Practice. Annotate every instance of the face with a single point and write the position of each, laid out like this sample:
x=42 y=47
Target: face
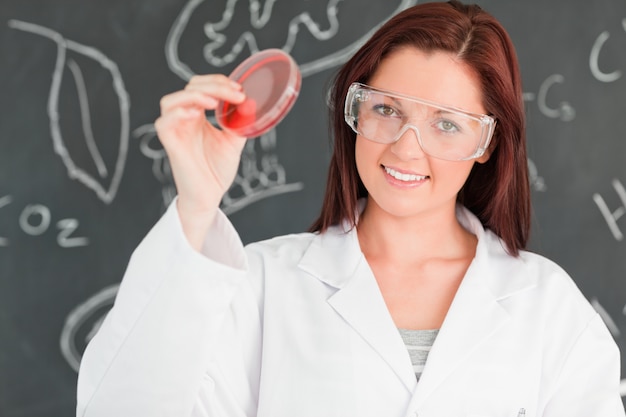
x=400 y=178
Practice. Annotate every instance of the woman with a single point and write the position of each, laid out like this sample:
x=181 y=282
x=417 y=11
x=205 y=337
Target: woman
x=419 y=248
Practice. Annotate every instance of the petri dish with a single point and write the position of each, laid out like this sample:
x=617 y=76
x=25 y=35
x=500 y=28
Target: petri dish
x=271 y=81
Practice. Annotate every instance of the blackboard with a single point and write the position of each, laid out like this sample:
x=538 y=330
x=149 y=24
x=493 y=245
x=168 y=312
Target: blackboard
x=83 y=178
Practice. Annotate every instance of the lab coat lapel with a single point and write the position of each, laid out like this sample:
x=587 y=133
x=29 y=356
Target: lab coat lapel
x=361 y=304
x=474 y=315
x=476 y=312
x=336 y=259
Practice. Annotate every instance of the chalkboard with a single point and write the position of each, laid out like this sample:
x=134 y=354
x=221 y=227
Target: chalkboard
x=83 y=178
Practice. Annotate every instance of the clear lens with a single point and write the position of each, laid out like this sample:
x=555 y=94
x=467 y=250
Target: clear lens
x=443 y=132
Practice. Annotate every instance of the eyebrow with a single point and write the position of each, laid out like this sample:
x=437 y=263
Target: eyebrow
x=439 y=108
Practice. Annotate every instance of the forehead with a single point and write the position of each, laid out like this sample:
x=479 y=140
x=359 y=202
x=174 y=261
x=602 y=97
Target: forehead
x=436 y=76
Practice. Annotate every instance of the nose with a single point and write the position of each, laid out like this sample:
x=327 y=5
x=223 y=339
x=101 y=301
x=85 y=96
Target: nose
x=408 y=144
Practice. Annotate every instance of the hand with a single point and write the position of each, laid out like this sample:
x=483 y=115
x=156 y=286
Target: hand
x=203 y=158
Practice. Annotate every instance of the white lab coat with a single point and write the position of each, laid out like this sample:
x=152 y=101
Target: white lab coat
x=297 y=327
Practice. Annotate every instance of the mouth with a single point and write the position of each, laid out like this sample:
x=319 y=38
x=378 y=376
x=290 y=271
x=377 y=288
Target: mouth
x=403 y=176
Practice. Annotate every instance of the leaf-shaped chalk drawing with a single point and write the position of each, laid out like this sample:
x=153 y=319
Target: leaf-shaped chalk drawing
x=104 y=192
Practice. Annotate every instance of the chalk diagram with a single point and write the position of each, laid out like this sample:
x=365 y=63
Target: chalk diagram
x=260 y=174
x=107 y=180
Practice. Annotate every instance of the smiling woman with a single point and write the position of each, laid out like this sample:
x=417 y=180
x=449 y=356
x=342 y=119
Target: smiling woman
x=420 y=245
x=418 y=151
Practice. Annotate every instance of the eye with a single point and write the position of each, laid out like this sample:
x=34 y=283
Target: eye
x=447 y=126
x=385 y=110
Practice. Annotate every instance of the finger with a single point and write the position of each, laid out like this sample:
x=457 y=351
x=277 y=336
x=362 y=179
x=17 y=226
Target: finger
x=217 y=85
x=226 y=91
x=189 y=99
x=213 y=79
x=207 y=100
x=181 y=117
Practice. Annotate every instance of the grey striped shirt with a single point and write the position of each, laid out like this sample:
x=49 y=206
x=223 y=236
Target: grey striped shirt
x=418 y=343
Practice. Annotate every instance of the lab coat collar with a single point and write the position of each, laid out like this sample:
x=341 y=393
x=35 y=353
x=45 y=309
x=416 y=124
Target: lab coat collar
x=335 y=258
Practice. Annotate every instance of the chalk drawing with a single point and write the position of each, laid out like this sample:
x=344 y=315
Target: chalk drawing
x=259 y=176
x=247 y=41
x=82 y=324
x=611 y=217
x=104 y=192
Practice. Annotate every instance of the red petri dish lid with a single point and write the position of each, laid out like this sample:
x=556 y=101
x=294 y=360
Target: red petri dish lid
x=271 y=81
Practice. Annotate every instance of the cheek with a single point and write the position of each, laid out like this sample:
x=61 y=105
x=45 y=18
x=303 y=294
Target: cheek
x=454 y=174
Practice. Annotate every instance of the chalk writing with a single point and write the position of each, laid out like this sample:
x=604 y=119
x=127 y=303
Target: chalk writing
x=104 y=193
x=35 y=210
x=594 y=56
x=65 y=240
x=35 y=220
x=611 y=217
x=563 y=111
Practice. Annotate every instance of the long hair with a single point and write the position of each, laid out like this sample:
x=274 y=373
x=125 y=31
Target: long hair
x=497 y=191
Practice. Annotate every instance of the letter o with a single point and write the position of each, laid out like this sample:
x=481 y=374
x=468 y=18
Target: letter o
x=35 y=210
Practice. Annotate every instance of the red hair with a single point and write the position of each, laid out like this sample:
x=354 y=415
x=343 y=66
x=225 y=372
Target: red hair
x=497 y=191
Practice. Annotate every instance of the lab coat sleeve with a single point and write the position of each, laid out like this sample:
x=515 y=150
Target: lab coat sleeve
x=180 y=319
x=588 y=384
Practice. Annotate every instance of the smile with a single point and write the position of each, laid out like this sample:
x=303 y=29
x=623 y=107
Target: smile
x=404 y=177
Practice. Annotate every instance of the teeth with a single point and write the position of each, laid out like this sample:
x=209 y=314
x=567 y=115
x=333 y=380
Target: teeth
x=404 y=177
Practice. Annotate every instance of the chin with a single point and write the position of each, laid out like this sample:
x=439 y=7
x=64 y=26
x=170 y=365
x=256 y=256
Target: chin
x=400 y=208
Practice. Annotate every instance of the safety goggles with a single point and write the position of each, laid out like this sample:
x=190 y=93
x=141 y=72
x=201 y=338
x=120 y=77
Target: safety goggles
x=443 y=132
